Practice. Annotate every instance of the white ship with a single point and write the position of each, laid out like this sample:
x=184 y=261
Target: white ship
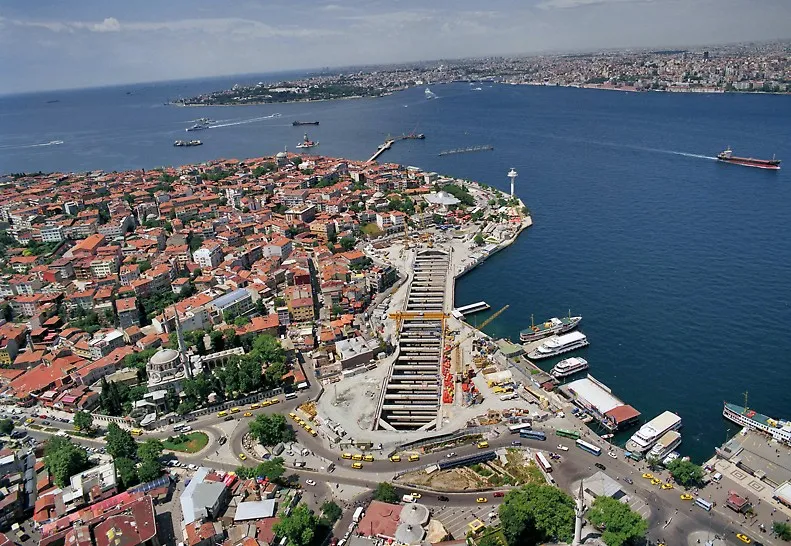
x=569 y=366
x=430 y=94
x=665 y=445
x=670 y=458
x=642 y=440
x=557 y=345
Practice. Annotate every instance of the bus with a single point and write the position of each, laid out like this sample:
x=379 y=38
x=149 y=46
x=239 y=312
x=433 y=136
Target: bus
x=568 y=434
x=513 y=429
x=590 y=448
x=136 y=432
x=702 y=503
x=532 y=434
x=542 y=462
x=290 y=395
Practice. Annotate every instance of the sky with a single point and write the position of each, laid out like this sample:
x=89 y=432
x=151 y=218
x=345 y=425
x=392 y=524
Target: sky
x=56 y=44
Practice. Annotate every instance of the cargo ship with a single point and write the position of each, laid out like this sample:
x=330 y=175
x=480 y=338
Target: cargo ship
x=558 y=345
x=728 y=157
x=642 y=440
x=777 y=428
x=298 y=123
x=548 y=328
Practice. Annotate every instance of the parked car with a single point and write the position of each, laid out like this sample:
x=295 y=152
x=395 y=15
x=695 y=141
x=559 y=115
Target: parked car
x=600 y=466
x=443 y=498
x=499 y=493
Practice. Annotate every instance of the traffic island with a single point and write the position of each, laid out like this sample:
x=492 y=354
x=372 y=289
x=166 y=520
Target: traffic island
x=192 y=442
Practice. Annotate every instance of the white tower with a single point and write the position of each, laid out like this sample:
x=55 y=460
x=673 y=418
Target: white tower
x=512 y=174
x=579 y=512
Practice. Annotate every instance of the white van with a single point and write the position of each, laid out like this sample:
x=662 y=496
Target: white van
x=717 y=477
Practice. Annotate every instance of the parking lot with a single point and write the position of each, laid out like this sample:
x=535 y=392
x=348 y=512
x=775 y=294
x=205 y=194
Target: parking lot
x=455 y=518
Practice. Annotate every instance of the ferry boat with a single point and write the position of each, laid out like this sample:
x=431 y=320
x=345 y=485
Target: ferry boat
x=558 y=345
x=187 y=143
x=778 y=429
x=202 y=123
x=728 y=157
x=307 y=143
x=569 y=366
x=665 y=445
x=548 y=328
x=642 y=440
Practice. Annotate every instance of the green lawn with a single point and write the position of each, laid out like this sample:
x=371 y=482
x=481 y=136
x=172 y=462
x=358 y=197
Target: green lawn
x=195 y=442
x=372 y=230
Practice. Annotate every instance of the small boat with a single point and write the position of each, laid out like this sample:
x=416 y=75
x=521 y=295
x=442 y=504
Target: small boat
x=607 y=436
x=187 y=143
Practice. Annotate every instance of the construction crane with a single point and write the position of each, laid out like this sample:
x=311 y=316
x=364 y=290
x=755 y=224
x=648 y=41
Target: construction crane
x=456 y=346
x=401 y=316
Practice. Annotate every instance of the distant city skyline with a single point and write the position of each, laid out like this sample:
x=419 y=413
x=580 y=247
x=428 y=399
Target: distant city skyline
x=47 y=45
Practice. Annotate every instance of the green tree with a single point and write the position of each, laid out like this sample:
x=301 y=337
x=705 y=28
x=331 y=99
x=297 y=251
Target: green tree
x=621 y=525
x=127 y=473
x=385 y=492
x=217 y=340
x=347 y=243
x=489 y=540
x=268 y=349
x=782 y=529
x=272 y=469
x=120 y=443
x=8 y=312
x=297 y=527
x=83 y=420
x=479 y=240
x=63 y=459
x=686 y=473
x=149 y=470
x=273 y=375
x=109 y=399
x=331 y=511
x=150 y=449
x=536 y=513
x=6 y=426
x=271 y=429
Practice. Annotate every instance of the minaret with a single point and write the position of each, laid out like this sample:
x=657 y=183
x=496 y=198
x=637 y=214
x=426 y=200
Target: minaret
x=579 y=510
x=512 y=174
x=182 y=350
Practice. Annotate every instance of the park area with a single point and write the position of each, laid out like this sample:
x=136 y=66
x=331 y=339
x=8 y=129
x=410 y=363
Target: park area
x=187 y=443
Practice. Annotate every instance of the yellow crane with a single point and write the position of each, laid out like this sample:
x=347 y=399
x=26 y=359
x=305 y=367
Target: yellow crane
x=401 y=316
x=481 y=326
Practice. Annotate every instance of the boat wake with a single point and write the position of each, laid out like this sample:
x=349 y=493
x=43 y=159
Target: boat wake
x=22 y=146
x=246 y=121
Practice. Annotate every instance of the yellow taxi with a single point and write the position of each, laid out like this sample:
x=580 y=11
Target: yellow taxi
x=655 y=481
x=357 y=466
x=266 y=403
x=368 y=458
x=242 y=456
x=395 y=458
x=255 y=406
x=236 y=410
x=744 y=538
x=273 y=401
x=357 y=457
x=481 y=500
x=686 y=496
x=248 y=414
x=346 y=456
x=667 y=486
x=415 y=495
x=648 y=476
x=313 y=432
x=293 y=415
x=29 y=420
x=413 y=458
x=483 y=445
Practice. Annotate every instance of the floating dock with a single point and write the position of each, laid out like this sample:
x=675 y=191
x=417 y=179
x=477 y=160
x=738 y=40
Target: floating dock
x=472 y=308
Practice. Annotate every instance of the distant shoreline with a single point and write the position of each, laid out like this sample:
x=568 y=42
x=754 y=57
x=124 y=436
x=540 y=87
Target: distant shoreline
x=350 y=97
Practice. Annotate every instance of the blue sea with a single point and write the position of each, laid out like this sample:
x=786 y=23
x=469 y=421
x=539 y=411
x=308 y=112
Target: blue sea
x=680 y=266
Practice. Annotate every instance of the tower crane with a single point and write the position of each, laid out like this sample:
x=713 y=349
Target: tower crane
x=456 y=346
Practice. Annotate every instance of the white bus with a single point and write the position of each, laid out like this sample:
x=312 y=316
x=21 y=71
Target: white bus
x=358 y=514
x=290 y=395
x=706 y=505
x=543 y=462
x=590 y=448
x=514 y=429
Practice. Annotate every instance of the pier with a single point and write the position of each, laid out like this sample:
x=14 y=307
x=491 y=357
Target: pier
x=390 y=140
x=472 y=308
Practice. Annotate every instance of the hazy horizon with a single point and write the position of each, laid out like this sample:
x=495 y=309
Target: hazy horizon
x=50 y=46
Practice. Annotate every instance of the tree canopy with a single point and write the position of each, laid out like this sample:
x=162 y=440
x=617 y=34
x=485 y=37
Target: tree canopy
x=272 y=429
x=537 y=513
x=83 y=420
x=385 y=492
x=120 y=443
x=621 y=526
x=64 y=459
x=297 y=527
x=6 y=426
x=271 y=469
x=686 y=473
x=331 y=511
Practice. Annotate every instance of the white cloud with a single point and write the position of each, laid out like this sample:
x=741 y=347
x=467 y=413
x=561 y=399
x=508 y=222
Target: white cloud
x=570 y=4
x=110 y=24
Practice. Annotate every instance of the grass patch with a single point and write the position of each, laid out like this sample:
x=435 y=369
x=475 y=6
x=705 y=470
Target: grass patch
x=187 y=443
x=80 y=433
x=481 y=470
x=34 y=426
x=524 y=471
x=371 y=230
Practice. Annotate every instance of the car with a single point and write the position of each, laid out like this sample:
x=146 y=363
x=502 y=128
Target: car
x=368 y=458
x=499 y=493
x=416 y=495
x=229 y=418
x=222 y=440
x=248 y=414
x=443 y=498
x=628 y=480
x=667 y=486
x=310 y=482
x=686 y=497
x=516 y=443
x=481 y=500
x=192 y=466
x=357 y=466
x=656 y=481
x=600 y=466
x=29 y=420
x=561 y=447
x=744 y=538
x=612 y=454
x=450 y=455
x=482 y=445
x=395 y=458
x=648 y=476
x=242 y=456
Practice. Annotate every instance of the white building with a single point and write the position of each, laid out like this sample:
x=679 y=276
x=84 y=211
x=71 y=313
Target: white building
x=208 y=256
x=52 y=234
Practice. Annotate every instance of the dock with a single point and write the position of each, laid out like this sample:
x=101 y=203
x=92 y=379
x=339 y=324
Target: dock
x=391 y=140
x=472 y=308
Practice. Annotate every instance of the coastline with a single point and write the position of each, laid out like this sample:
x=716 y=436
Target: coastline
x=303 y=101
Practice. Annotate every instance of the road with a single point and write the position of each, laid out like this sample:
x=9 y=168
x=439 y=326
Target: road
x=659 y=506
